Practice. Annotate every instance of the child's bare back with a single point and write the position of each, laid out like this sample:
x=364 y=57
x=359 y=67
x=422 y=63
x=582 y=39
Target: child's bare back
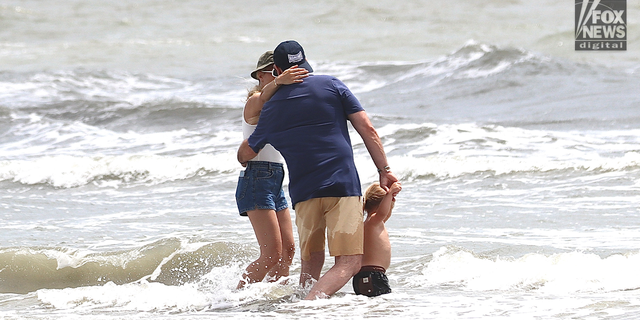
x=377 y=248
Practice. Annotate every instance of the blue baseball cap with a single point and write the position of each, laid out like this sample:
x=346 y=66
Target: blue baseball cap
x=290 y=53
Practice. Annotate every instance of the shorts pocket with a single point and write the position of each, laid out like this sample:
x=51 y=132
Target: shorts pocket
x=264 y=174
x=241 y=187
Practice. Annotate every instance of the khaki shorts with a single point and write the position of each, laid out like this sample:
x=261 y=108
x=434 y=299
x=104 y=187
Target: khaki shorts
x=341 y=217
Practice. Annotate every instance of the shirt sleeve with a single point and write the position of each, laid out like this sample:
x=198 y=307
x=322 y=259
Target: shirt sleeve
x=350 y=103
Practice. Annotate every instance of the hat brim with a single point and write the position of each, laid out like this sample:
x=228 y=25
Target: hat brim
x=255 y=72
x=306 y=65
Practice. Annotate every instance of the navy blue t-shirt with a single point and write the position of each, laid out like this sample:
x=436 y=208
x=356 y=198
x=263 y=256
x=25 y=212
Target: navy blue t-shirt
x=307 y=123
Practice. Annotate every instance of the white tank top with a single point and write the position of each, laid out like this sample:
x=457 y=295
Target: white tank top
x=268 y=153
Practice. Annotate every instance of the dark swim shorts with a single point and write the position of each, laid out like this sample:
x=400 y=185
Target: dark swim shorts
x=371 y=281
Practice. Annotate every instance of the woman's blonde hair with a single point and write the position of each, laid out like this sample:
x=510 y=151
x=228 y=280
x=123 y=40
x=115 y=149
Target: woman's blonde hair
x=253 y=91
x=373 y=197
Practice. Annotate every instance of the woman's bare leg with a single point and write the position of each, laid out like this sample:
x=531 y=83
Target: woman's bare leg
x=266 y=227
x=288 y=246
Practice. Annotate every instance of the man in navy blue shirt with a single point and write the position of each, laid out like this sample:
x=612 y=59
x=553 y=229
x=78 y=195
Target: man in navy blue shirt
x=307 y=123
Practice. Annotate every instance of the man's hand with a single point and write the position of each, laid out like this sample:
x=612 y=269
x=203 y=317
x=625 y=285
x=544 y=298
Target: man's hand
x=245 y=153
x=387 y=179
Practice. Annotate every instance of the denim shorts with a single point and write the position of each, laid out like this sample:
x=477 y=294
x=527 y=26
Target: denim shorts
x=260 y=187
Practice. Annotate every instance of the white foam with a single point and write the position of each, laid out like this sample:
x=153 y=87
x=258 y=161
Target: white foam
x=214 y=291
x=555 y=274
x=142 y=296
x=456 y=150
x=72 y=171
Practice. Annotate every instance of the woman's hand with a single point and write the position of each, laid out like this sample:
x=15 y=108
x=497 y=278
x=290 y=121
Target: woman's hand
x=292 y=75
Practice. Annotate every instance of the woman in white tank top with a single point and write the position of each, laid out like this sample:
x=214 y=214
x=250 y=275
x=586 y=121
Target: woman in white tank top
x=259 y=193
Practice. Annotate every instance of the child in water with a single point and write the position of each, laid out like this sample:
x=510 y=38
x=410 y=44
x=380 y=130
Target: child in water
x=371 y=280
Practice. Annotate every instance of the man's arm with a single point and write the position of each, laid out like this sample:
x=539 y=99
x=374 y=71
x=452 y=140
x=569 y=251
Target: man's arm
x=245 y=153
x=369 y=135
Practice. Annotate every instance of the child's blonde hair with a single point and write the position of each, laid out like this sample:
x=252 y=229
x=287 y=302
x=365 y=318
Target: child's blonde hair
x=373 y=196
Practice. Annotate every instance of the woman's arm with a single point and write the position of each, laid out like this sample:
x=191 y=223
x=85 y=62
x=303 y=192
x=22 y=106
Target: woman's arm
x=254 y=104
x=289 y=76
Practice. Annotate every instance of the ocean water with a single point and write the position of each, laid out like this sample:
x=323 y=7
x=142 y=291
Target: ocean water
x=119 y=125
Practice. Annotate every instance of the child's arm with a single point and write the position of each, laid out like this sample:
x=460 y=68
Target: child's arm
x=384 y=209
x=289 y=76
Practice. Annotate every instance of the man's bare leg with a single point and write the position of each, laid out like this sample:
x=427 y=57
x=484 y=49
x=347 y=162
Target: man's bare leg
x=312 y=268
x=332 y=281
